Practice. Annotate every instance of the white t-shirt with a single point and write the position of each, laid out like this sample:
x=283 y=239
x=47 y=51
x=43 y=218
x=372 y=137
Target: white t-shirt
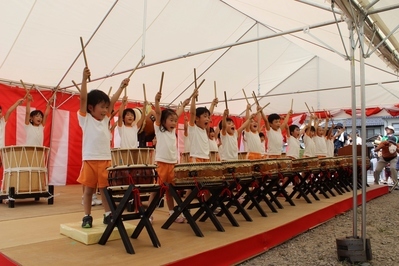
x=330 y=147
x=199 y=144
x=2 y=132
x=310 y=147
x=293 y=147
x=275 y=141
x=213 y=146
x=166 y=145
x=34 y=135
x=128 y=136
x=252 y=141
x=321 y=146
x=229 y=146
x=96 y=136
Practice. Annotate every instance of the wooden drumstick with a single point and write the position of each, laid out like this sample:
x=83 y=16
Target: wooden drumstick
x=214 y=88
x=134 y=69
x=145 y=95
x=23 y=85
x=84 y=54
x=195 y=82
x=292 y=103
x=308 y=108
x=76 y=85
x=246 y=98
x=199 y=86
x=109 y=92
x=160 y=86
x=262 y=108
x=225 y=100
x=255 y=98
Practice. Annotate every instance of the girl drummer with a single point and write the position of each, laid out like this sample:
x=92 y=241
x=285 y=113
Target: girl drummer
x=166 y=156
x=35 y=122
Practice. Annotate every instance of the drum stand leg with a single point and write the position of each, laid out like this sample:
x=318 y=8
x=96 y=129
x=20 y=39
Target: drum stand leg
x=250 y=197
x=281 y=189
x=183 y=207
x=303 y=188
x=50 y=200
x=265 y=188
x=11 y=197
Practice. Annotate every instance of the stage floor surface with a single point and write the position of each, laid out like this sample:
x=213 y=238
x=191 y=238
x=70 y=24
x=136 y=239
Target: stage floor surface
x=30 y=232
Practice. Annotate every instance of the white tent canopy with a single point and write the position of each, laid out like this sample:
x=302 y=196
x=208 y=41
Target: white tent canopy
x=293 y=59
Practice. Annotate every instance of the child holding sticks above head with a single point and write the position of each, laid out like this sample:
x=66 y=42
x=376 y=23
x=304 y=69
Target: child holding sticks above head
x=166 y=122
x=93 y=116
x=320 y=139
x=197 y=130
x=252 y=137
x=229 y=136
x=293 y=144
x=35 y=122
x=274 y=133
x=127 y=125
x=310 y=147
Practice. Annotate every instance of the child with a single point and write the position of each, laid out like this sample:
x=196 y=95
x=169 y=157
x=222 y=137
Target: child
x=320 y=139
x=35 y=122
x=310 y=147
x=251 y=136
x=293 y=145
x=165 y=126
x=229 y=137
x=4 y=119
x=213 y=145
x=330 y=137
x=95 y=110
x=263 y=143
x=274 y=134
x=197 y=130
x=127 y=127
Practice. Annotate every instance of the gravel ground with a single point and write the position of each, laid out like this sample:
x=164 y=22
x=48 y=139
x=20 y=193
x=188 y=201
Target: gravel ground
x=318 y=245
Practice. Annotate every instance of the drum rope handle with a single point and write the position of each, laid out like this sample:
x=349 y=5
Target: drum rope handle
x=226 y=191
x=164 y=189
x=11 y=199
x=130 y=181
x=136 y=199
x=201 y=195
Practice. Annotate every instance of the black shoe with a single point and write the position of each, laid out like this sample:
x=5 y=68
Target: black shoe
x=107 y=219
x=87 y=221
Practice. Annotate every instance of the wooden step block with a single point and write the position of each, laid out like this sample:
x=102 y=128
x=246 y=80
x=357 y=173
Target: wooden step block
x=92 y=235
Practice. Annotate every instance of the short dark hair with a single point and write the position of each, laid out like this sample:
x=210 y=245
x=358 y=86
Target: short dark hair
x=129 y=110
x=292 y=128
x=273 y=117
x=95 y=97
x=228 y=119
x=201 y=110
x=261 y=134
x=211 y=130
x=34 y=113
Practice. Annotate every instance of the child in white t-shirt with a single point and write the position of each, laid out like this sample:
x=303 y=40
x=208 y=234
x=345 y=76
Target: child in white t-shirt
x=4 y=119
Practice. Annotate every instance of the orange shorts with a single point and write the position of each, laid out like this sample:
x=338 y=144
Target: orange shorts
x=321 y=156
x=254 y=156
x=94 y=173
x=198 y=160
x=166 y=172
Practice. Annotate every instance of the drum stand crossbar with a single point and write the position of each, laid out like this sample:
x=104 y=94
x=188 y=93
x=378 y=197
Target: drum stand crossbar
x=207 y=206
x=142 y=214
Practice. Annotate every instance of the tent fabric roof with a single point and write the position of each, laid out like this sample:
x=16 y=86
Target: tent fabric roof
x=40 y=45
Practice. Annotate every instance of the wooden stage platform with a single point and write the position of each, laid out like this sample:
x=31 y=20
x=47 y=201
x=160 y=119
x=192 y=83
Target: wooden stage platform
x=30 y=233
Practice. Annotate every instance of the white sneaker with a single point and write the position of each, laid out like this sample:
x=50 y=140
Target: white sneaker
x=95 y=201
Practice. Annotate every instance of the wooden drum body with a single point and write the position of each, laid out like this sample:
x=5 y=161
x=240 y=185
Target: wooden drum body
x=128 y=157
x=327 y=164
x=237 y=168
x=265 y=166
x=305 y=164
x=25 y=169
x=134 y=174
x=284 y=165
x=198 y=172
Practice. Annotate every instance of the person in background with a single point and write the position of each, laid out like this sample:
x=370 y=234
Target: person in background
x=341 y=137
x=389 y=151
x=263 y=144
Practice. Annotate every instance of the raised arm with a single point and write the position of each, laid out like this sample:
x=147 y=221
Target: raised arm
x=267 y=125
x=245 y=125
x=120 y=112
x=48 y=108
x=115 y=97
x=193 y=108
x=326 y=127
x=83 y=91
x=213 y=104
x=224 y=122
x=27 y=112
x=285 y=121
x=181 y=108
x=142 y=118
x=12 y=108
x=158 y=108
x=247 y=116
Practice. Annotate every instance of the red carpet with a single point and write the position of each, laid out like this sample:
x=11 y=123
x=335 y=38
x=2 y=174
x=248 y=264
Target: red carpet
x=252 y=246
x=6 y=261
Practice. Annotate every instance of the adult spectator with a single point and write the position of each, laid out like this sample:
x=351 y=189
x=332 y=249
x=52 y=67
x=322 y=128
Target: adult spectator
x=341 y=137
x=389 y=149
